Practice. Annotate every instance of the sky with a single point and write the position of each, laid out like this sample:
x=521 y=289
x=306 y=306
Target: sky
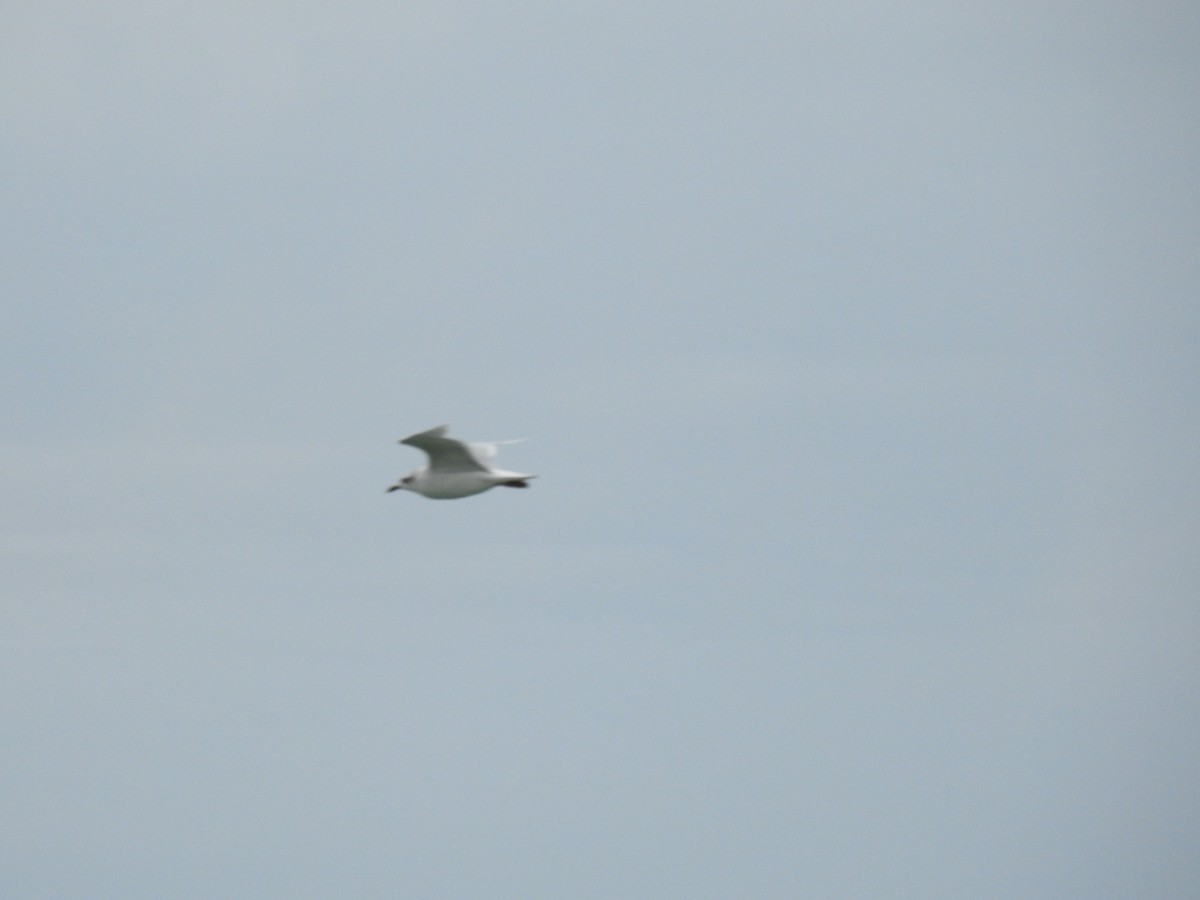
x=856 y=347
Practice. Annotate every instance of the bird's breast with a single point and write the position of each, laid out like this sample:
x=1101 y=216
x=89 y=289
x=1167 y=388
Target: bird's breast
x=452 y=485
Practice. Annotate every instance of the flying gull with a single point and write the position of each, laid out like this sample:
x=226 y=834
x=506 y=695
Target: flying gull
x=456 y=468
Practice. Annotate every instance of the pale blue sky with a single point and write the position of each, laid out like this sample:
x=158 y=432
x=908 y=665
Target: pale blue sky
x=857 y=349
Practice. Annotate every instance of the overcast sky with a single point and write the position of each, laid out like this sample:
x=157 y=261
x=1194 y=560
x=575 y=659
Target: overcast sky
x=856 y=344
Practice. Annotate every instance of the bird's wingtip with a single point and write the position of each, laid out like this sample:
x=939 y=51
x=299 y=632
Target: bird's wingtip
x=440 y=431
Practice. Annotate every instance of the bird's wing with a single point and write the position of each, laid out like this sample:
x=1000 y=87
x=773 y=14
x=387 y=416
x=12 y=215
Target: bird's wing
x=485 y=452
x=445 y=454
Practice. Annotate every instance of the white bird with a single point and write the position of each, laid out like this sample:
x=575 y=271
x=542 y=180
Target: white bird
x=456 y=468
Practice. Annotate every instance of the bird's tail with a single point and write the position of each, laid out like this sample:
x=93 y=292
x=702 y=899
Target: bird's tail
x=522 y=482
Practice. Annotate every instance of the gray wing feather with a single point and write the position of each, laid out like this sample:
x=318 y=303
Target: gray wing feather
x=445 y=454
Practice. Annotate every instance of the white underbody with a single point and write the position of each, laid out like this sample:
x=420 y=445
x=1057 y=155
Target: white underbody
x=452 y=485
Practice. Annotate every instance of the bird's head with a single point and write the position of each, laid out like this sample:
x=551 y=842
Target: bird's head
x=403 y=484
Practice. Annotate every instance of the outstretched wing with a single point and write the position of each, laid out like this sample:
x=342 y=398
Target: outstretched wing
x=486 y=452
x=445 y=454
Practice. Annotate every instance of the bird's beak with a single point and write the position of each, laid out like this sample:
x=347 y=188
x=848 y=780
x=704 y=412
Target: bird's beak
x=395 y=487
